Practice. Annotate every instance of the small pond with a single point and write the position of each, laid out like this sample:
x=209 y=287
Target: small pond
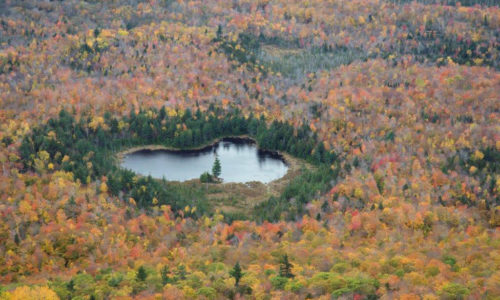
x=240 y=159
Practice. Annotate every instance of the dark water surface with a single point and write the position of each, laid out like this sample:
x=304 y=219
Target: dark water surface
x=241 y=161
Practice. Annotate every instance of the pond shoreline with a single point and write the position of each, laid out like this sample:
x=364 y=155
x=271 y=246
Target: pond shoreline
x=231 y=138
x=294 y=164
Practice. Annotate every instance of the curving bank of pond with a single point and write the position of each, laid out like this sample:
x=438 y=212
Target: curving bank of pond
x=241 y=159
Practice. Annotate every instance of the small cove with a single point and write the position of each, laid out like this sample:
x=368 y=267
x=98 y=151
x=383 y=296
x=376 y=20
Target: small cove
x=241 y=162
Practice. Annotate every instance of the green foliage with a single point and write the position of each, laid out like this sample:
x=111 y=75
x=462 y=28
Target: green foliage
x=194 y=281
x=81 y=284
x=431 y=271
x=8 y=63
x=180 y=273
x=291 y=203
x=340 y=267
x=490 y=163
x=286 y=267
x=165 y=275
x=216 y=168
x=339 y=285
x=101 y=286
x=7 y=140
x=454 y=291
x=115 y=280
x=206 y=177
x=60 y=288
x=84 y=148
x=390 y=136
x=452 y=262
x=380 y=183
x=279 y=282
x=400 y=273
x=142 y=274
x=85 y=57
x=244 y=290
x=294 y=286
x=327 y=282
x=208 y=292
x=483 y=164
x=437 y=45
x=449 y=260
x=243 y=51
x=236 y=273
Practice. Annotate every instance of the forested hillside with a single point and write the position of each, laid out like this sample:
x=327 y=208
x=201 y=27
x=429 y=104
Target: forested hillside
x=394 y=104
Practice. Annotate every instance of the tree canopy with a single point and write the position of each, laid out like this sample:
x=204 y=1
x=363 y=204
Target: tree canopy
x=393 y=103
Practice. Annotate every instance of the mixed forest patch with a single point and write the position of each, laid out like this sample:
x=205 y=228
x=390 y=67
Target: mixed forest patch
x=86 y=147
x=293 y=58
x=405 y=92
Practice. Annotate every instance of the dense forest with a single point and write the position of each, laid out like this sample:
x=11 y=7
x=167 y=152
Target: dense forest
x=86 y=149
x=392 y=105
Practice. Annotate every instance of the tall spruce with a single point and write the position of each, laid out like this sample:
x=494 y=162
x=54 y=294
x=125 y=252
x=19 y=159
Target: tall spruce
x=141 y=274
x=216 y=168
x=286 y=267
x=236 y=273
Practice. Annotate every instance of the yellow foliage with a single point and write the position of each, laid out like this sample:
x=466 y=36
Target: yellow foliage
x=478 y=155
x=30 y=293
x=24 y=207
x=189 y=292
x=103 y=188
x=43 y=156
x=478 y=61
x=207 y=221
x=96 y=122
x=122 y=32
x=493 y=286
x=358 y=193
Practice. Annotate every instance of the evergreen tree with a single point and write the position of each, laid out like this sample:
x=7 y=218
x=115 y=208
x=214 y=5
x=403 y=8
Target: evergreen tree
x=236 y=273
x=286 y=267
x=165 y=271
x=219 y=32
x=141 y=274
x=181 y=272
x=216 y=169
